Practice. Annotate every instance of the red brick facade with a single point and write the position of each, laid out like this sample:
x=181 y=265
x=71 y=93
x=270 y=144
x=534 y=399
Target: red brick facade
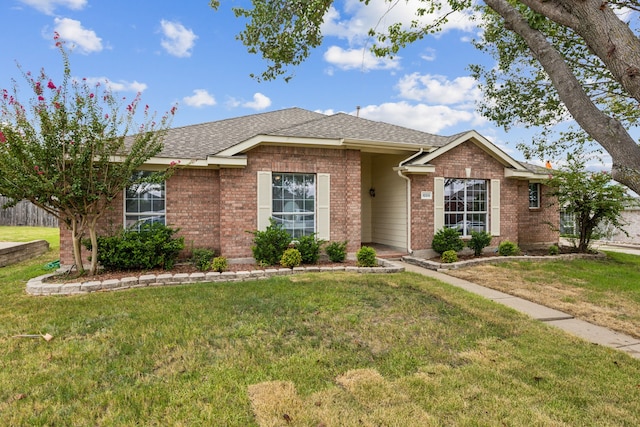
x=214 y=208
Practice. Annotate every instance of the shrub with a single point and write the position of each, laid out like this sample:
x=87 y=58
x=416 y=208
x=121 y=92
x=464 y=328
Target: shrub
x=291 y=258
x=219 y=264
x=479 y=241
x=449 y=256
x=554 y=250
x=447 y=239
x=152 y=247
x=507 y=248
x=337 y=251
x=366 y=257
x=309 y=248
x=270 y=244
x=201 y=258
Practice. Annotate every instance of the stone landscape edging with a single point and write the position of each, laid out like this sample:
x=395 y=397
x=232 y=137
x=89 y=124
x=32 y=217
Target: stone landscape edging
x=39 y=287
x=434 y=265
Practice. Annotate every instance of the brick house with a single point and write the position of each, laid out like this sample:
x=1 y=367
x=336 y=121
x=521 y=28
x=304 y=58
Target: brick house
x=340 y=176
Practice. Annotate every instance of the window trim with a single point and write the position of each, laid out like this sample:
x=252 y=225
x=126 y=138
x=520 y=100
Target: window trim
x=539 y=194
x=151 y=213
x=488 y=187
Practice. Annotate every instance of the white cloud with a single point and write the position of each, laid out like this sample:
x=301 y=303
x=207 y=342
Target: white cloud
x=357 y=18
x=361 y=59
x=200 y=98
x=119 y=86
x=260 y=102
x=71 y=31
x=438 y=89
x=178 y=40
x=49 y=6
x=427 y=118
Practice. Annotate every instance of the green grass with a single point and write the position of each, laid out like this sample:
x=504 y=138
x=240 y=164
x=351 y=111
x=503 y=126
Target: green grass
x=189 y=355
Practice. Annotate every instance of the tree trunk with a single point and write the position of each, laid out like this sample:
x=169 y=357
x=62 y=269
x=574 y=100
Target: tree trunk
x=607 y=131
x=76 y=236
x=93 y=269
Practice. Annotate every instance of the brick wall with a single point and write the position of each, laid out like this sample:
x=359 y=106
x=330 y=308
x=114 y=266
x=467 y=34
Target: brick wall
x=536 y=224
x=514 y=198
x=239 y=192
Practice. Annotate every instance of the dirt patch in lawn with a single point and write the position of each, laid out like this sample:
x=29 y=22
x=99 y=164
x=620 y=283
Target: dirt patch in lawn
x=610 y=309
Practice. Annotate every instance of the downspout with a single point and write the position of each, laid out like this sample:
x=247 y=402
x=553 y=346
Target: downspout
x=401 y=175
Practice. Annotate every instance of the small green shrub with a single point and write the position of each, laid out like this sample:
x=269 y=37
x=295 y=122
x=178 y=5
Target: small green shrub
x=309 y=247
x=479 y=240
x=270 y=244
x=449 y=256
x=337 y=251
x=219 y=264
x=554 y=250
x=201 y=258
x=154 y=246
x=366 y=257
x=507 y=248
x=447 y=239
x=291 y=258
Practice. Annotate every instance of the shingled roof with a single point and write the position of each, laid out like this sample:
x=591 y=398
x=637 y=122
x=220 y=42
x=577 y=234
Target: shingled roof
x=202 y=140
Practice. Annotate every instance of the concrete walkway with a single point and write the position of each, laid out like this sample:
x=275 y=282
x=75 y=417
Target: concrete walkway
x=587 y=331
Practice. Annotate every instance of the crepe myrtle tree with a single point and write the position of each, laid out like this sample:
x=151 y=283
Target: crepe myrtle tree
x=67 y=149
x=555 y=60
x=590 y=197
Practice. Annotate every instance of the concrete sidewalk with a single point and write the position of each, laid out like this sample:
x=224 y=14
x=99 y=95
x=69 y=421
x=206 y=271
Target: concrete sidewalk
x=587 y=331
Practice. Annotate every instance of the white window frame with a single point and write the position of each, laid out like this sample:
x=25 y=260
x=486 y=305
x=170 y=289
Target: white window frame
x=468 y=223
x=538 y=193
x=152 y=194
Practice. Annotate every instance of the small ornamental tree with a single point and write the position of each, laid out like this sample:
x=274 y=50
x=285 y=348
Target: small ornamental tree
x=591 y=197
x=57 y=149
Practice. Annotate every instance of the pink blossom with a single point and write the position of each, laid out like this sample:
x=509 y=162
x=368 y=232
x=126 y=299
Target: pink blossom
x=57 y=105
x=50 y=85
x=40 y=98
x=129 y=108
x=3 y=138
x=56 y=35
x=173 y=110
x=91 y=95
x=38 y=89
x=106 y=116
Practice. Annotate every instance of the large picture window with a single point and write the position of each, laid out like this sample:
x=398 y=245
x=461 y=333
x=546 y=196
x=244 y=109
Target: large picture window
x=144 y=203
x=465 y=205
x=294 y=202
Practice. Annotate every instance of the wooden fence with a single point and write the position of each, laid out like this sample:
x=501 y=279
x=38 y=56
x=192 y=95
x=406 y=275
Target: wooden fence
x=25 y=213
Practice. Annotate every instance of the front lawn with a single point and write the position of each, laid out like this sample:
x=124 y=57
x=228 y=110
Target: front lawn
x=604 y=291
x=335 y=349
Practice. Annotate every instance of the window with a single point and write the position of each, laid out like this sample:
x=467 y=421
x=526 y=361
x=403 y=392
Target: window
x=144 y=203
x=294 y=202
x=465 y=205
x=534 y=196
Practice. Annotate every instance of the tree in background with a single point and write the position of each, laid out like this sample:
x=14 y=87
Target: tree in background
x=591 y=198
x=556 y=59
x=58 y=149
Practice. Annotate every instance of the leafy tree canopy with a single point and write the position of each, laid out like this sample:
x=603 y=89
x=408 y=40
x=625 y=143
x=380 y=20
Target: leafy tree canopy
x=57 y=149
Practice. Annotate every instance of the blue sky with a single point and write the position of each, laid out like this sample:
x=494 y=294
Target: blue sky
x=186 y=53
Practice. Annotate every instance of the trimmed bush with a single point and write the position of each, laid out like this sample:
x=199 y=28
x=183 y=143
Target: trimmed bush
x=479 y=241
x=270 y=244
x=449 y=256
x=337 y=251
x=366 y=257
x=309 y=248
x=154 y=246
x=554 y=250
x=219 y=264
x=201 y=258
x=447 y=239
x=291 y=258
x=507 y=248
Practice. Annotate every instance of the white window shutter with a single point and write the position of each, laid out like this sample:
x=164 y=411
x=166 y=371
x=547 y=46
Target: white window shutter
x=495 y=207
x=323 y=204
x=264 y=199
x=438 y=203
